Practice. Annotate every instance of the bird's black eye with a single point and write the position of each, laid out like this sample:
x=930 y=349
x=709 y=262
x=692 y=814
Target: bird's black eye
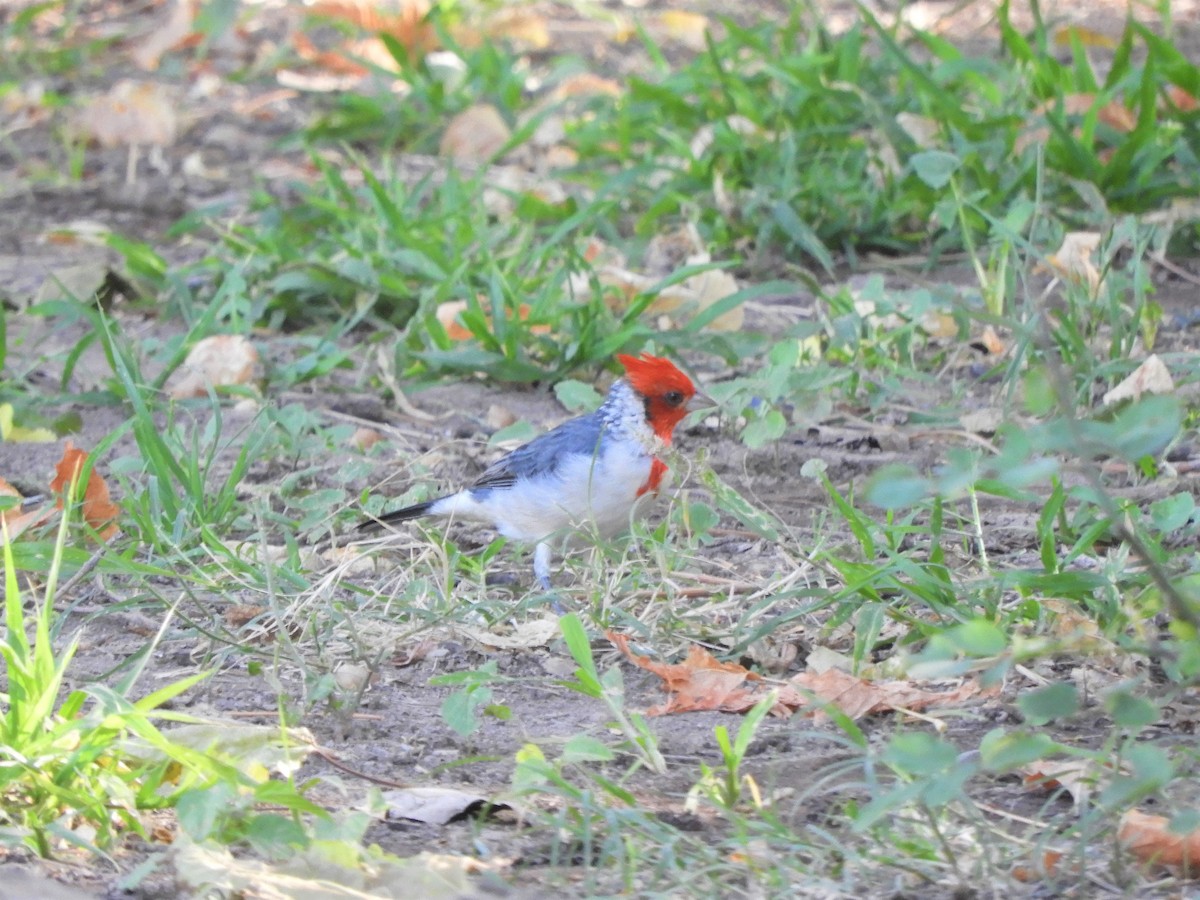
x=673 y=398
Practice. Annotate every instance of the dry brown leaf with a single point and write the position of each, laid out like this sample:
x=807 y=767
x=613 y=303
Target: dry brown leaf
x=475 y=135
x=169 y=32
x=857 y=697
x=925 y=132
x=1074 y=259
x=1181 y=99
x=585 y=84
x=132 y=112
x=1151 y=377
x=448 y=313
x=1078 y=777
x=97 y=508
x=365 y=438
x=1150 y=839
x=1049 y=866
x=992 y=343
x=218 y=361
x=17 y=520
x=1086 y=36
x=403 y=20
x=701 y=682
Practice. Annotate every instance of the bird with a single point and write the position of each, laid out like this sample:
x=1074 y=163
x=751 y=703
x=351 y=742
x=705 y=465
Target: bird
x=591 y=472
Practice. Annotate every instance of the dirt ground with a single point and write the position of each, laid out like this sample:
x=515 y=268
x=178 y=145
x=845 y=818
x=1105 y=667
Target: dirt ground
x=396 y=732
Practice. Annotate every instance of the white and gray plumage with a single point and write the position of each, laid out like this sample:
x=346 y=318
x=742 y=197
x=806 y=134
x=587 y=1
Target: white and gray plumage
x=589 y=473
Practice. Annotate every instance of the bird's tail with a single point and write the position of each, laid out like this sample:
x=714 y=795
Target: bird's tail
x=400 y=515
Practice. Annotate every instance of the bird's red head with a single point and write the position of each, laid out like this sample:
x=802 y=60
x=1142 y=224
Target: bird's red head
x=666 y=390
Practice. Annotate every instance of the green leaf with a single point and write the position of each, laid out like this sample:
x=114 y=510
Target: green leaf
x=585 y=748
x=1002 y=752
x=935 y=167
x=730 y=501
x=801 y=234
x=978 y=638
x=1172 y=512
x=897 y=486
x=1045 y=704
x=770 y=427
x=577 y=396
x=1130 y=711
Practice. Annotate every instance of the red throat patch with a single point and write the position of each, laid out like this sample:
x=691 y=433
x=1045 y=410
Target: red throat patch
x=658 y=469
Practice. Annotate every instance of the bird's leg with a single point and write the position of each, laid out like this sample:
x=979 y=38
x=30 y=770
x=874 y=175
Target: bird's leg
x=541 y=565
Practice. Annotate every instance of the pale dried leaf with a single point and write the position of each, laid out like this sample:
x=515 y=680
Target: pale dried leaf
x=167 y=33
x=475 y=135
x=982 y=421
x=925 y=132
x=1078 y=777
x=738 y=124
x=1074 y=259
x=1151 y=377
x=218 y=361
x=688 y=28
x=432 y=805
x=528 y=634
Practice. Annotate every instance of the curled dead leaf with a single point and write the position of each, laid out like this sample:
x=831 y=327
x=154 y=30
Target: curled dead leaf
x=97 y=508
x=365 y=438
x=1074 y=259
x=1151 y=841
x=475 y=135
x=222 y=360
x=1151 y=377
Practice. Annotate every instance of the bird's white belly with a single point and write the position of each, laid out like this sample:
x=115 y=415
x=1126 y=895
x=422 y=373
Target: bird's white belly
x=584 y=492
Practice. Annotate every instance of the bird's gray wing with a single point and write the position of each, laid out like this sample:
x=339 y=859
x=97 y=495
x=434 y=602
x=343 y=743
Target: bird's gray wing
x=543 y=454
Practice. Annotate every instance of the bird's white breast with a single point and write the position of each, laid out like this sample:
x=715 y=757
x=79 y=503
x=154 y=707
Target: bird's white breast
x=583 y=492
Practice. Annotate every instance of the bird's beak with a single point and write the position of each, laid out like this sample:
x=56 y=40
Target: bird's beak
x=699 y=401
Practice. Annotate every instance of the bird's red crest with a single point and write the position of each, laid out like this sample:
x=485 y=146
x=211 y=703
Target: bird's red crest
x=652 y=375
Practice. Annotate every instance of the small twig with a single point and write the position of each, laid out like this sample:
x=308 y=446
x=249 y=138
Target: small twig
x=84 y=571
x=341 y=766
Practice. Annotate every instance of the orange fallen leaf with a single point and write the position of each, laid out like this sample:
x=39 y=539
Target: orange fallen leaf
x=448 y=313
x=98 y=509
x=1150 y=839
x=17 y=519
x=701 y=682
x=1050 y=863
x=992 y=343
x=1181 y=99
x=405 y=20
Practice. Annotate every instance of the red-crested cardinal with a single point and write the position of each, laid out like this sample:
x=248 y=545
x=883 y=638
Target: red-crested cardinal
x=589 y=472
